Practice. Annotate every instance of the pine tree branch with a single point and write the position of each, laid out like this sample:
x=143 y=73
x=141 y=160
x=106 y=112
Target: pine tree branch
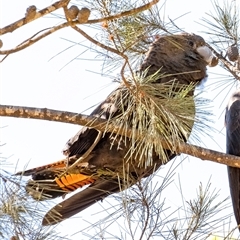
x=61 y=4
x=30 y=41
x=233 y=70
x=130 y=12
x=100 y=124
x=13 y=26
x=110 y=49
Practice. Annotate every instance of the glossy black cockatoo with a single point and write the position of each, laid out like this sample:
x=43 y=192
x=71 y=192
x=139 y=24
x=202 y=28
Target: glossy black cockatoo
x=232 y=123
x=105 y=159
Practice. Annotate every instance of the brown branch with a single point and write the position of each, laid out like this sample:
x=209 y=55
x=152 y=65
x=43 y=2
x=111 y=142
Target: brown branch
x=96 y=42
x=227 y=64
x=33 y=40
x=100 y=124
x=12 y=27
x=55 y=6
x=133 y=11
x=108 y=49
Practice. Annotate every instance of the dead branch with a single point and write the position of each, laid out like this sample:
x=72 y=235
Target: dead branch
x=100 y=124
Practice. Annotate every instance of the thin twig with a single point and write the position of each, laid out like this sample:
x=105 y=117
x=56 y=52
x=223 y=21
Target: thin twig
x=26 y=41
x=148 y=215
x=108 y=49
x=96 y=42
x=32 y=40
x=227 y=64
x=130 y=12
x=86 y=154
x=100 y=124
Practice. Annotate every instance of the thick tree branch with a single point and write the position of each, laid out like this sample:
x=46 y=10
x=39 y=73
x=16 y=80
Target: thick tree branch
x=100 y=124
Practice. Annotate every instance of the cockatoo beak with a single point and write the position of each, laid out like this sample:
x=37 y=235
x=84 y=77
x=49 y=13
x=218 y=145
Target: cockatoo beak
x=208 y=56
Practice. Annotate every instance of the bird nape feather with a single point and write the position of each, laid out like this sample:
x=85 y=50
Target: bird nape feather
x=103 y=161
x=232 y=123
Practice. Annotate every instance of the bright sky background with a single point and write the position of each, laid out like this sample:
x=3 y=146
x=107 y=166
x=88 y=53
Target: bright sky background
x=34 y=78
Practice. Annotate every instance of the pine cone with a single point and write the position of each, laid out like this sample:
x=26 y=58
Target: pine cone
x=14 y=238
x=72 y=12
x=83 y=15
x=214 y=62
x=30 y=12
x=232 y=53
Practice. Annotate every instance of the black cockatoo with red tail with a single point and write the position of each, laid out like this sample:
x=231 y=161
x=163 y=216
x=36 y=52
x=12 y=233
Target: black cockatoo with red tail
x=232 y=123
x=110 y=162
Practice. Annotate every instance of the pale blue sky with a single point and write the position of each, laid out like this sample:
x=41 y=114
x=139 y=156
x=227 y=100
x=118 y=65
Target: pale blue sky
x=28 y=78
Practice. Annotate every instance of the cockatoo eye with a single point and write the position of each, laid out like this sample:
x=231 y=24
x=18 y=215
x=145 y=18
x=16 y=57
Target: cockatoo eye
x=191 y=43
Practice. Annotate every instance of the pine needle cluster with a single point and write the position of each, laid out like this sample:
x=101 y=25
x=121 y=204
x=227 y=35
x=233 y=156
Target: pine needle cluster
x=160 y=115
